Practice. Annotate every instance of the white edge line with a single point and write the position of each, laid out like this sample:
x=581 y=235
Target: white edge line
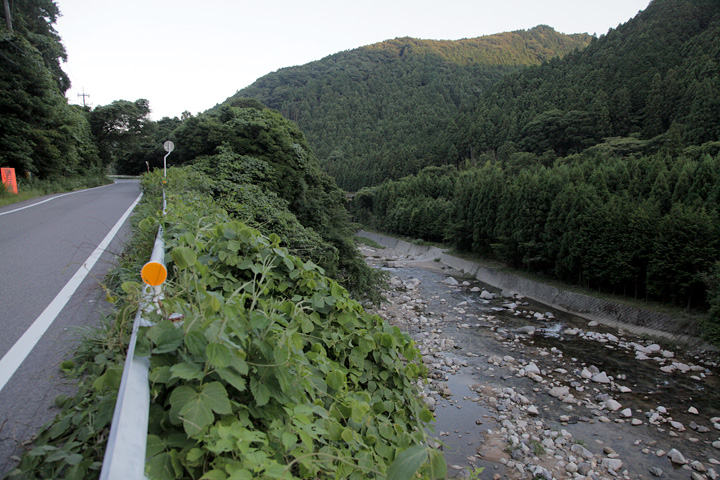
x=53 y=198
x=22 y=348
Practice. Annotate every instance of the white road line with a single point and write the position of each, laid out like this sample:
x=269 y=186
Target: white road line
x=22 y=348
x=52 y=198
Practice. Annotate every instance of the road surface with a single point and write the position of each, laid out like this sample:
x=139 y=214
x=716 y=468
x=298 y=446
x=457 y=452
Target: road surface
x=44 y=244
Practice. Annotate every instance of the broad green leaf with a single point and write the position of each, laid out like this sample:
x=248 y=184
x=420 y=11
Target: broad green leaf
x=218 y=355
x=215 y=396
x=196 y=342
x=160 y=467
x=260 y=392
x=232 y=378
x=214 y=475
x=347 y=435
x=288 y=440
x=183 y=257
x=426 y=415
x=196 y=415
x=438 y=466
x=110 y=379
x=336 y=380
x=186 y=371
x=407 y=463
x=179 y=398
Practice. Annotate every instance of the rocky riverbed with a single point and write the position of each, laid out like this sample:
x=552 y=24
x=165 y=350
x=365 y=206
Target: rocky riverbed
x=530 y=393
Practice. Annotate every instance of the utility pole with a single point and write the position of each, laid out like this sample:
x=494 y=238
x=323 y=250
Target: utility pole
x=8 y=18
x=83 y=94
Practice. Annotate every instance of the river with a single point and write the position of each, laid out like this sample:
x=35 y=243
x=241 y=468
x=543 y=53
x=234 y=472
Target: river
x=524 y=391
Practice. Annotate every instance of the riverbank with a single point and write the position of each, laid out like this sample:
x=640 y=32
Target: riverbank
x=526 y=391
x=616 y=315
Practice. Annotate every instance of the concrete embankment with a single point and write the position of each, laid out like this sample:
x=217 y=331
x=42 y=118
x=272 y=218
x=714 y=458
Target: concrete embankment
x=617 y=315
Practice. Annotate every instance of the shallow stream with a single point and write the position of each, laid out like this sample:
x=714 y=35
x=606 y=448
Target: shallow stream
x=467 y=420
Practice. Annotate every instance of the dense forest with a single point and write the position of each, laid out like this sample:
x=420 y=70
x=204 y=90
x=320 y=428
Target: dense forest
x=654 y=78
x=40 y=134
x=382 y=111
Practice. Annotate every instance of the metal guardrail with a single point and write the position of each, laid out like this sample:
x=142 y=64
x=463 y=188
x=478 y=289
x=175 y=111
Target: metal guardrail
x=127 y=443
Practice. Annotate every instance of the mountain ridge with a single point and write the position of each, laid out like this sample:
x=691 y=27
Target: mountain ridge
x=382 y=104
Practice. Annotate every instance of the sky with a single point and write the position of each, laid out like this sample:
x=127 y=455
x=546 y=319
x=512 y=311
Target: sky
x=190 y=55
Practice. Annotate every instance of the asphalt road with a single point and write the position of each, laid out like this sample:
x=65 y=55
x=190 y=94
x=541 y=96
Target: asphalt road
x=41 y=249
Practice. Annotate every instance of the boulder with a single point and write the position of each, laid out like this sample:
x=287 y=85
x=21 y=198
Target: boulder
x=601 y=378
x=559 y=392
x=614 y=464
x=676 y=457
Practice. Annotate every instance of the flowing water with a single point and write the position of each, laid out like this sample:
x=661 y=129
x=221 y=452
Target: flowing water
x=481 y=328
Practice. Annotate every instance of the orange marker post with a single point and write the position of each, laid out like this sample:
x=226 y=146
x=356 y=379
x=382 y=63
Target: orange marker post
x=8 y=179
x=153 y=273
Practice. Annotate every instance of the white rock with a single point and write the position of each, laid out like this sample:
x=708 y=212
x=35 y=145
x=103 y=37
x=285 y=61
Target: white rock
x=614 y=464
x=676 y=457
x=641 y=356
x=627 y=413
x=571 y=467
x=586 y=373
x=532 y=410
x=485 y=295
x=559 y=392
x=475 y=289
x=693 y=410
x=624 y=389
x=678 y=426
x=636 y=422
x=601 y=378
x=450 y=281
x=532 y=368
x=593 y=323
x=681 y=366
x=668 y=354
x=654 y=348
x=662 y=409
x=613 y=405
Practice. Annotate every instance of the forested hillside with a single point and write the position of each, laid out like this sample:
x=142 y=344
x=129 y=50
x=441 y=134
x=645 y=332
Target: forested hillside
x=384 y=110
x=600 y=169
x=40 y=134
x=655 y=78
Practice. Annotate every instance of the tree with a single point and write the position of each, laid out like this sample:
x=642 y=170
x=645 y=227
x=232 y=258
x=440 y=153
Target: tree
x=39 y=132
x=125 y=135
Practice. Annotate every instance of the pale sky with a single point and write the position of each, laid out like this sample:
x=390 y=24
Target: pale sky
x=190 y=55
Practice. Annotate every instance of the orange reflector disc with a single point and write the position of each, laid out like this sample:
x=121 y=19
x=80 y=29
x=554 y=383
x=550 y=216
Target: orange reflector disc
x=154 y=273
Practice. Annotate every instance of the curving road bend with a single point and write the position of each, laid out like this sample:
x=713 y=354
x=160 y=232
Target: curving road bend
x=47 y=246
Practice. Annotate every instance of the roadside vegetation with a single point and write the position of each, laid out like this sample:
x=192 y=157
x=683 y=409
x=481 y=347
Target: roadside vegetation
x=274 y=370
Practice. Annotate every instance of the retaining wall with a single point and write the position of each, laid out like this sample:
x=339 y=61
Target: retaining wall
x=613 y=314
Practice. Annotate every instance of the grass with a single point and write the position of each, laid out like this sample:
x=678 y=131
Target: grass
x=33 y=188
